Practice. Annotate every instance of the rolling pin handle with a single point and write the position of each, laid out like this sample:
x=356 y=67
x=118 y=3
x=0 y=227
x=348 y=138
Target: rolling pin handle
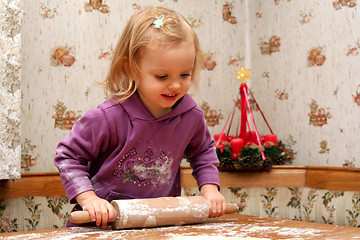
x=80 y=217
x=84 y=217
x=231 y=208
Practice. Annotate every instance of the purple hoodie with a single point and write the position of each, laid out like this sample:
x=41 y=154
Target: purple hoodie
x=121 y=151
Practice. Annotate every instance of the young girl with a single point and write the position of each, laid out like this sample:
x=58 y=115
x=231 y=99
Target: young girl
x=132 y=145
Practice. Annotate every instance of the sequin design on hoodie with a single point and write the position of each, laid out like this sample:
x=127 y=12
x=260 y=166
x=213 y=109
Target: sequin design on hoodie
x=145 y=170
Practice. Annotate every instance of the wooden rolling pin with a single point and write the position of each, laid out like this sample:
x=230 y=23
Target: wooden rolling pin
x=155 y=212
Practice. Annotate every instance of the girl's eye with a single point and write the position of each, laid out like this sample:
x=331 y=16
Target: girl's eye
x=185 y=75
x=161 y=77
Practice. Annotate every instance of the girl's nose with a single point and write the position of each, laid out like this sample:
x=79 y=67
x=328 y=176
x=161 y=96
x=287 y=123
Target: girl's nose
x=174 y=85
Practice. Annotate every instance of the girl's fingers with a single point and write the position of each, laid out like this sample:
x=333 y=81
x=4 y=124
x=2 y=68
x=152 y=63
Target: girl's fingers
x=92 y=213
x=217 y=208
x=98 y=217
x=223 y=208
x=100 y=210
x=111 y=212
x=213 y=209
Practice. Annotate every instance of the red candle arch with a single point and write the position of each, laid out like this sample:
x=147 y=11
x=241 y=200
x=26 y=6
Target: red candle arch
x=244 y=136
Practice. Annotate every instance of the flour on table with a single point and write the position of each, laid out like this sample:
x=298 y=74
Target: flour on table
x=216 y=237
x=223 y=238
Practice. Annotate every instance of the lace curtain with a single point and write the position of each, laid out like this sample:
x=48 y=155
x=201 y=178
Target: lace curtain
x=10 y=93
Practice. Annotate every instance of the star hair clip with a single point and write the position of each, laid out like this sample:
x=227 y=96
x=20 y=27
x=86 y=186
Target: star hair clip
x=159 y=22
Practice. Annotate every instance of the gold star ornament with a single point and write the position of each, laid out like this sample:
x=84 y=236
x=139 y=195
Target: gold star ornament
x=243 y=74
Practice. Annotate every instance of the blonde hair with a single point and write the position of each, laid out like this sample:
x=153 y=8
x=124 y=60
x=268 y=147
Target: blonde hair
x=139 y=32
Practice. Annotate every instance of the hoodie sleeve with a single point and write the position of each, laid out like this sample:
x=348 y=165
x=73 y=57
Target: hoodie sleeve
x=202 y=156
x=74 y=154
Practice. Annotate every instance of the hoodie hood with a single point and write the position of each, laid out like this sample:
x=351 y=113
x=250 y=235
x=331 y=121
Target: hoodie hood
x=137 y=110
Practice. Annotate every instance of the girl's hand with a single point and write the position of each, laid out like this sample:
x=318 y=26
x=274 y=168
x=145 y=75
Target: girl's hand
x=100 y=210
x=215 y=199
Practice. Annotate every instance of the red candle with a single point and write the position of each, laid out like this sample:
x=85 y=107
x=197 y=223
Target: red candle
x=220 y=137
x=251 y=136
x=229 y=138
x=270 y=139
x=237 y=144
x=243 y=89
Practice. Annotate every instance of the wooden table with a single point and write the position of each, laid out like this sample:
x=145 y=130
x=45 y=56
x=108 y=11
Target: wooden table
x=234 y=226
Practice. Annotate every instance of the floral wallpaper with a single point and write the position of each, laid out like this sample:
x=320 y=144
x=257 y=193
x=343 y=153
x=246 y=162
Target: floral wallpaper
x=294 y=203
x=305 y=69
x=303 y=56
x=10 y=95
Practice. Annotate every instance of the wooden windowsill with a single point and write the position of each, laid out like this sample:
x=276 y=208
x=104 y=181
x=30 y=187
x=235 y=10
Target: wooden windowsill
x=334 y=178
x=292 y=176
x=32 y=184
